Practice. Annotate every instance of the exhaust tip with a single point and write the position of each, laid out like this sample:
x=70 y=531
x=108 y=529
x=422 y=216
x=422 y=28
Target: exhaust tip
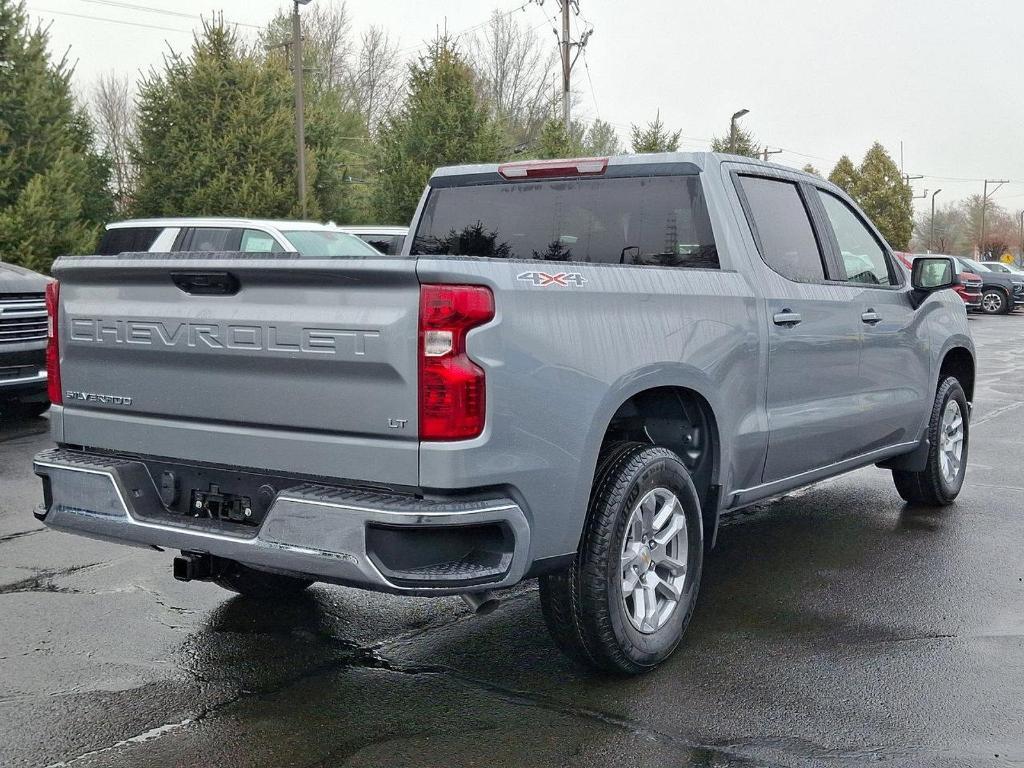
x=481 y=603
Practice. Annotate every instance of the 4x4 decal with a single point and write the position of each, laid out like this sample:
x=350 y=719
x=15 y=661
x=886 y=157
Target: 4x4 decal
x=560 y=279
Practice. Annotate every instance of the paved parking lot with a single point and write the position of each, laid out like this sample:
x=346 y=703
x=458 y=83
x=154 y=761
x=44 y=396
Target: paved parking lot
x=835 y=627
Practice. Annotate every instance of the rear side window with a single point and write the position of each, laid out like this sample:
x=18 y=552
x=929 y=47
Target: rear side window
x=128 y=240
x=863 y=257
x=654 y=221
x=782 y=228
x=212 y=239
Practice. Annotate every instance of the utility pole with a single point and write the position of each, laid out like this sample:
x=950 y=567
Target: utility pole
x=931 y=237
x=566 y=45
x=768 y=152
x=300 y=108
x=984 y=204
x=566 y=66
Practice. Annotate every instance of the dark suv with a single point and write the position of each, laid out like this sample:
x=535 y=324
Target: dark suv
x=22 y=342
x=1000 y=293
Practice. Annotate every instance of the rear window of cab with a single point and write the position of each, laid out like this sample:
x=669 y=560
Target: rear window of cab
x=650 y=221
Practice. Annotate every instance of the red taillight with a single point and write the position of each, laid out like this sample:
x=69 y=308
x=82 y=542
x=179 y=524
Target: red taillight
x=52 y=348
x=452 y=387
x=546 y=169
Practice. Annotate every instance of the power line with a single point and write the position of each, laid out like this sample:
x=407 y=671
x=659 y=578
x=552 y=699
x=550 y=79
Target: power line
x=164 y=11
x=593 y=94
x=110 y=21
x=467 y=30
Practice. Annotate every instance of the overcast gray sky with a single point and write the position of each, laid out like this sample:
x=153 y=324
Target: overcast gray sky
x=820 y=77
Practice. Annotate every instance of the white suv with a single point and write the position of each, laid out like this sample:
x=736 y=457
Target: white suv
x=310 y=239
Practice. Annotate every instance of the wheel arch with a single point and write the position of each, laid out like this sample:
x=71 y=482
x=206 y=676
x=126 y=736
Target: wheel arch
x=958 y=362
x=674 y=412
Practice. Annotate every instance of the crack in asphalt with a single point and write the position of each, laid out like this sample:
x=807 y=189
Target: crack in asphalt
x=42 y=581
x=151 y=735
x=20 y=534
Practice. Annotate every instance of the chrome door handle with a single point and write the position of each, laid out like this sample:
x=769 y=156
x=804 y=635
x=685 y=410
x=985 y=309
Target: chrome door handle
x=787 y=318
x=871 y=317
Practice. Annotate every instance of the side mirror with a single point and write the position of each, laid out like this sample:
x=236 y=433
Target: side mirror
x=930 y=274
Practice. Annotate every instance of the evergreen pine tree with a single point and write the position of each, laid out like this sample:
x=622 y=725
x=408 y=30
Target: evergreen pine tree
x=53 y=186
x=742 y=143
x=216 y=137
x=844 y=176
x=881 y=191
x=442 y=122
x=654 y=137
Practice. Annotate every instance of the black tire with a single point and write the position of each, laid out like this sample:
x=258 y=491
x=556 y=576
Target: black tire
x=583 y=606
x=259 y=585
x=930 y=487
x=994 y=301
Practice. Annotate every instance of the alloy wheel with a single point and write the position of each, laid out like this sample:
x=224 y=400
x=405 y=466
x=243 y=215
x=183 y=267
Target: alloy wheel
x=951 y=441
x=653 y=564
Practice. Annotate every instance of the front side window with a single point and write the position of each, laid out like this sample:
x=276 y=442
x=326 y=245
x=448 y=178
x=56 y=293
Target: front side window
x=782 y=228
x=652 y=221
x=328 y=244
x=863 y=257
x=389 y=244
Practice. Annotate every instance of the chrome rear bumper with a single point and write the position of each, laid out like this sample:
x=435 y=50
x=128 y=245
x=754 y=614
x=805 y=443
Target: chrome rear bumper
x=324 y=532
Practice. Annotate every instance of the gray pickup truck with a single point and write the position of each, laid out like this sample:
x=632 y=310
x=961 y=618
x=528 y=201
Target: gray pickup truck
x=570 y=372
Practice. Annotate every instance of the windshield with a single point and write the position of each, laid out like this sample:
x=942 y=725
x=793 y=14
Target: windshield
x=653 y=220
x=976 y=267
x=327 y=244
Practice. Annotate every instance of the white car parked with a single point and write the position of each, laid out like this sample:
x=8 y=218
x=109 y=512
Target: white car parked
x=310 y=239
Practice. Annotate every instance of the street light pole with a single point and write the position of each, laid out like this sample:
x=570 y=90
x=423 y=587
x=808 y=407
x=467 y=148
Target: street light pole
x=931 y=238
x=732 y=128
x=300 y=108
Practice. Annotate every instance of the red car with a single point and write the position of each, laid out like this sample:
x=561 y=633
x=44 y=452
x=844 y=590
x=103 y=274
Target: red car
x=968 y=284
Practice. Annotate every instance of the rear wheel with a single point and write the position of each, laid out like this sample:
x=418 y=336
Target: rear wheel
x=259 y=584
x=939 y=483
x=627 y=599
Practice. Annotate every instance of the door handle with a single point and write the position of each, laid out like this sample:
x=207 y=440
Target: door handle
x=786 y=318
x=871 y=317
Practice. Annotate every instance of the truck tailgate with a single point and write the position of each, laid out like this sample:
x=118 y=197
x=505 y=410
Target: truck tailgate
x=296 y=365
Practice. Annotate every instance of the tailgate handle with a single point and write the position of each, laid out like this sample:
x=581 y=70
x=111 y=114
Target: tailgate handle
x=206 y=283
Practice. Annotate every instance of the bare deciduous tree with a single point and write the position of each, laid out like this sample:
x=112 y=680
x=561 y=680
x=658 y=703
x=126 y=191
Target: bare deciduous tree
x=327 y=32
x=376 y=80
x=513 y=65
x=113 y=109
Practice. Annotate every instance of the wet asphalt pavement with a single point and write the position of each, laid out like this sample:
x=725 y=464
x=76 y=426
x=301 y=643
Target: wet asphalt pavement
x=835 y=627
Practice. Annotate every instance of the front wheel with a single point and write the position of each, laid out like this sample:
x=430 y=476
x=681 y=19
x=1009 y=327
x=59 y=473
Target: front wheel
x=994 y=302
x=625 y=602
x=939 y=483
